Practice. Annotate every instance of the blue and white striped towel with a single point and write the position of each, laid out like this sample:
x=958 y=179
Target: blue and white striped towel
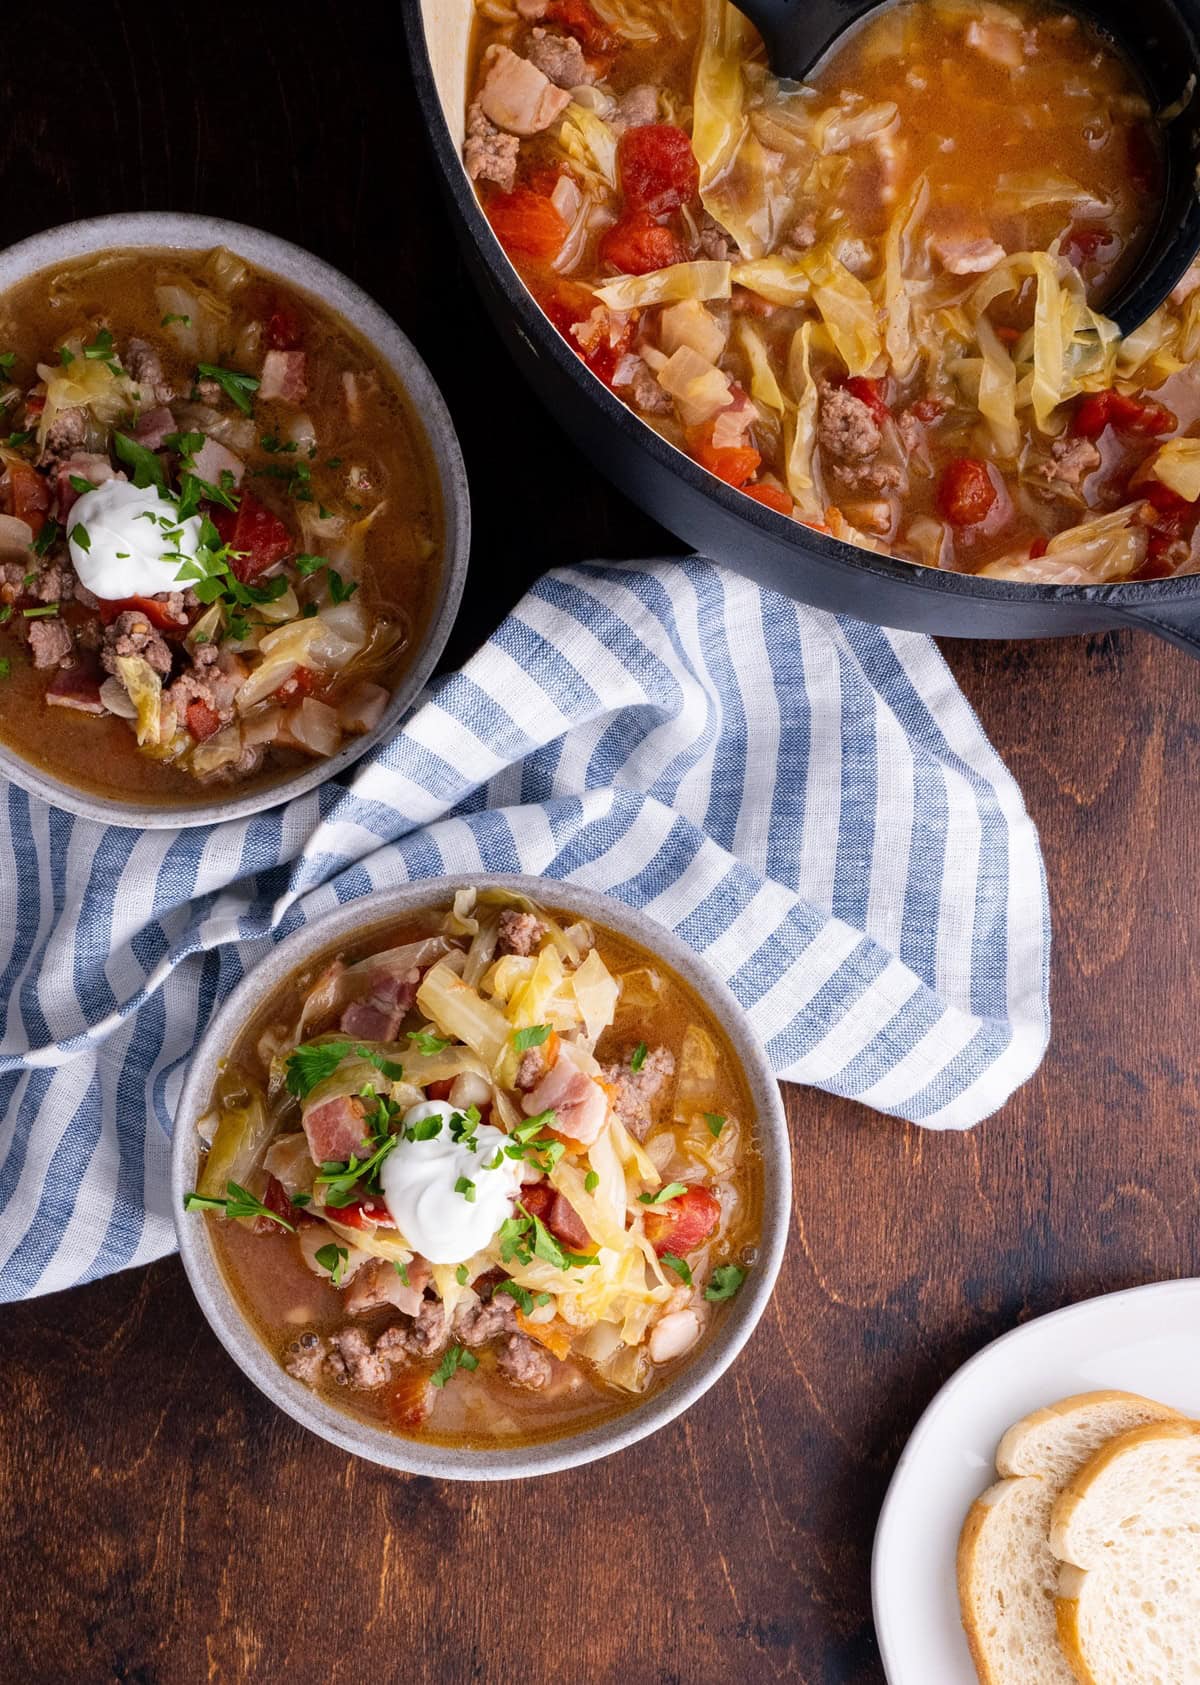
x=810 y=801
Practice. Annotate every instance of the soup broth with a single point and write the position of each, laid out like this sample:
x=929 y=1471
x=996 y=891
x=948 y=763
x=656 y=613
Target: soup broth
x=622 y=1121
x=301 y=454
x=873 y=302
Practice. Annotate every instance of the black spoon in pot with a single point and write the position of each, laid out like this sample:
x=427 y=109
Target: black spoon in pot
x=1161 y=39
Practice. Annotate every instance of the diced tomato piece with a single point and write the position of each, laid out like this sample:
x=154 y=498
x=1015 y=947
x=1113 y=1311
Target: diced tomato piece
x=283 y=331
x=526 y=223
x=275 y=1199
x=29 y=494
x=202 y=721
x=1008 y=336
x=1164 y=499
x=929 y=409
x=682 y=1224
x=302 y=683
x=657 y=168
x=439 y=1090
x=1098 y=410
x=558 y=1214
x=577 y=18
x=1039 y=547
x=965 y=493
x=366 y=1213
x=1089 y=241
x=637 y=245
x=771 y=497
x=735 y=464
x=155 y=612
x=409 y=1399
x=870 y=393
x=258 y=538
x=568 y=303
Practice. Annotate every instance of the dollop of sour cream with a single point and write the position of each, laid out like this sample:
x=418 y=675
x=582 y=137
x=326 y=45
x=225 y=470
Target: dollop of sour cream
x=421 y=1186
x=128 y=541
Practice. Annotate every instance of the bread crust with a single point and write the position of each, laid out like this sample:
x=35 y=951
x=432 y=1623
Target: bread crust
x=1016 y=1468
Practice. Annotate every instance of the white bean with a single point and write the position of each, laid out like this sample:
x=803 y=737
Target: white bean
x=673 y=1335
x=470 y=1089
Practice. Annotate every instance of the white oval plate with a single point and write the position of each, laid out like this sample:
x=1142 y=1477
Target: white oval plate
x=1145 y=1340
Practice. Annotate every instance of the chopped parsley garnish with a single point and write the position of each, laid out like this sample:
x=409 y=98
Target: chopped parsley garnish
x=237 y=1203
x=462 y=1128
x=296 y=476
x=426 y=1042
x=671 y=1190
x=591 y=1181
x=300 y=1199
x=101 y=351
x=522 y=1295
x=7 y=359
x=49 y=535
x=682 y=1270
x=40 y=613
x=716 y=1123
x=147 y=469
x=79 y=484
x=340 y=1183
x=425 y=1129
x=726 y=1279
x=526 y=1237
x=173 y=316
x=65 y=357
x=534 y=1036
x=235 y=385
x=16 y=440
x=79 y=535
x=462 y=1275
x=305 y=563
x=466 y=1188
x=401 y=1269
x=386 y=1067
x=340 y=590
x=5 y=667
x=639 y=1057
x=311 y=1063
x=6 y=614
x=457 y=1357
x=334 y=1259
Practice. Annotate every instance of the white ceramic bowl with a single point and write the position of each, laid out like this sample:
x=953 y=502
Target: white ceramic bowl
x=413 y=1455
x=181 y=232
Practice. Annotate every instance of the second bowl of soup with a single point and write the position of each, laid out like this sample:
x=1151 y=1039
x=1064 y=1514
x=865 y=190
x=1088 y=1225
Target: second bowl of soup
x=484 y=1180
x=233 y=519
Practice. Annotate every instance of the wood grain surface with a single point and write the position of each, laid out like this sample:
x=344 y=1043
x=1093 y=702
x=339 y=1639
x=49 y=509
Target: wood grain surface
x=161 y=1523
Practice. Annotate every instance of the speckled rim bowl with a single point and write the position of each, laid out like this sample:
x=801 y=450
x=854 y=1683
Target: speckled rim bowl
x=184 y=232
x=411 y=1455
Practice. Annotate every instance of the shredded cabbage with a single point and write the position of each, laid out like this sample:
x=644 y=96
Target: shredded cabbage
x=1177 y=465
x=902 y=347
x=460 y=1011
x=144 y=688
x=801 y=427
x=780 y=280
x=847 y=309
x=702 y=279
x=764 y=388
x=85 y=383
x=588 y=140
x=1025 y=190
x=698 y=387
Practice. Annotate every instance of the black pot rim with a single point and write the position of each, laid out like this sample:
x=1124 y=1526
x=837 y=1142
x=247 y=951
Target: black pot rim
x=1129 y=596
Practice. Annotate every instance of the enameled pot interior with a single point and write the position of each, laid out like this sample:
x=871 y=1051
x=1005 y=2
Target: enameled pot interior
x=805 y=563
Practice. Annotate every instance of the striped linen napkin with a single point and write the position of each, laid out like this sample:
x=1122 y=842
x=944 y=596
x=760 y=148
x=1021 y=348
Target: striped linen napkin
x=809 y=801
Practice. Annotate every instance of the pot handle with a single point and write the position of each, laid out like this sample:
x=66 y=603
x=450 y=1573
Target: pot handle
x=1176 y=622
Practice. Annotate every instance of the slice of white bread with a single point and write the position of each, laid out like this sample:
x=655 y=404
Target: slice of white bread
x=1127 y=1528
x=1007 y=1573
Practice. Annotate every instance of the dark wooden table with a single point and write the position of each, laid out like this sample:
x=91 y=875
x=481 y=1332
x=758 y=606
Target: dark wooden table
x=161 y=1522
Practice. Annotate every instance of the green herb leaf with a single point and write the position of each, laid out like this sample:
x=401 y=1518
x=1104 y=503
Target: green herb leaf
x=425 y=1129
x=522 y=1295
x=639 y=1057
x=716 y=1123
x=48 y=536
x=682 y=1270
x=671 y=1191
x=5 y=667
x=334 y=1259
x=457 y=1357
x=427 y=1043
x=238 y=1202
x=591 y=1181
x=235 y=385
x=305 y=563
x=65 y=357
x=534 y=1036
x=79 y=535
x=401 y=1269
x=341 y=1185
x=101 y=348
x=16 y=440
x=311 y=1063
x=466 y=1188
x=40 y=613
x=340 y=590
x=462 y=1275
x=79 y=484
x=147 y=469
x=172 y=316
x=7 y=359
x=726 y=1279
x=386 y=1067
x=300 y=1199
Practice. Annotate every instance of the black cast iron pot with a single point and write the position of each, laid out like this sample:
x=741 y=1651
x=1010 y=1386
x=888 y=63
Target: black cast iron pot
x=718 y=521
